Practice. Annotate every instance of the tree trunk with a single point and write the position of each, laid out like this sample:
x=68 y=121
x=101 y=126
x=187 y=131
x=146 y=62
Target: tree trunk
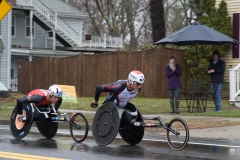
x=130 y=23
x=157 y=19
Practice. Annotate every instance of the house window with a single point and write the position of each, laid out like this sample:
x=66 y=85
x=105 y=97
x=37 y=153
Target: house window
x=50 y=35
x=12 y=67
x=13 y=26
x=28 y=27
x=28 y=59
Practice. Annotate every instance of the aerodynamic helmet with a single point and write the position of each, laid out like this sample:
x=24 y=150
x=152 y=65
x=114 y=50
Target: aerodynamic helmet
x=136 y=76
x=55 y=91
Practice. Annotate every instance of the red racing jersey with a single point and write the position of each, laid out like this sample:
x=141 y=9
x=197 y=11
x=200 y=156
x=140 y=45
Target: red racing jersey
x=38 y=97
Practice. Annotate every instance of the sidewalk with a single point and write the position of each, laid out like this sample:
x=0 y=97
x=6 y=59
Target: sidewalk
x=228 y=132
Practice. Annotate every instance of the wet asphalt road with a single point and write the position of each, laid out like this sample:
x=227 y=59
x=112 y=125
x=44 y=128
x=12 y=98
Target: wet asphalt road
x=63 y=147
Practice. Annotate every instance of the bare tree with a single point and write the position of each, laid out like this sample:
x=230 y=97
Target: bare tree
x=138 y=21
x=177 y=15
x=128 y=18
x=94 y=23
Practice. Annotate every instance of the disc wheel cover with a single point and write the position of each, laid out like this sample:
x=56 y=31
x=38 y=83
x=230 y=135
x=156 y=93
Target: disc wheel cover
x=106 y=124
x=20 y=129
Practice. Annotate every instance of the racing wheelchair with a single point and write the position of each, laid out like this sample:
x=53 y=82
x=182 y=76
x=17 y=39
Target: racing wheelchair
x=47 y=119
x=129 y=123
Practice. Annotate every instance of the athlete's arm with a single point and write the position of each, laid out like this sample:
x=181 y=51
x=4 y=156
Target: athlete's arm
x=28 y=99
x=57 y=105
x=100 y=89
x=113 y=88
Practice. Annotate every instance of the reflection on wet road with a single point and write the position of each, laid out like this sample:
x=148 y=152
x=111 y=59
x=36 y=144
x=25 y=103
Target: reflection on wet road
x=61 y=147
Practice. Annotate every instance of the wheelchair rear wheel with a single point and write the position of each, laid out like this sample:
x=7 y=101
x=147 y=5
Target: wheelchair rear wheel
x=132 y=135
x=20 y=129
x=47 y=129
x=105 y=124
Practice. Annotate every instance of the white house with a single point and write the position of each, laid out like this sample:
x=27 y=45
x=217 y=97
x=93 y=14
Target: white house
x=38 y=28
x=232 y=59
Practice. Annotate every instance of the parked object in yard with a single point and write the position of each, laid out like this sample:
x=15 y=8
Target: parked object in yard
x=4 y=92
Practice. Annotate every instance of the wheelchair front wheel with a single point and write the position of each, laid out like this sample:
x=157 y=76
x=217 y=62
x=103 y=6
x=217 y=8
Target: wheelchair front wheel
x=179 y=140
x=79 y=128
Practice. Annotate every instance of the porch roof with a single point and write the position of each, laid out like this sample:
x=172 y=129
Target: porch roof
x=42 y=52
x=62 y=7
x=60 y=52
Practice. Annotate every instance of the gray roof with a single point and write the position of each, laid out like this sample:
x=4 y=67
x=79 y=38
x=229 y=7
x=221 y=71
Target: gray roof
x=62 y=7
x=1 y=44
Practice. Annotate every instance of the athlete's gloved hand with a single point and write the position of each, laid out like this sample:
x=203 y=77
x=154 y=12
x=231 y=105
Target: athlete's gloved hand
x=93 y=105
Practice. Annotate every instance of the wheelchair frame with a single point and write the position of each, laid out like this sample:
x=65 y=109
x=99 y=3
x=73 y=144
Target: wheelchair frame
x=47 y=119
x=111 y=119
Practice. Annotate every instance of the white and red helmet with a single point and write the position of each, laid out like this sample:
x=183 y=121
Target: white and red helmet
x=136 y=76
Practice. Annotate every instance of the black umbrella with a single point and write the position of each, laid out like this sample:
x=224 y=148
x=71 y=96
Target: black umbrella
x=195 y=34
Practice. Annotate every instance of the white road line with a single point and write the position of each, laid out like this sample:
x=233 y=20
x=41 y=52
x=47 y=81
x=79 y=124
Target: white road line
x=204 y=144
x=220 y=145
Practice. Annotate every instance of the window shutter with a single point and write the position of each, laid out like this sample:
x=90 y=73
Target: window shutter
x=236 y=28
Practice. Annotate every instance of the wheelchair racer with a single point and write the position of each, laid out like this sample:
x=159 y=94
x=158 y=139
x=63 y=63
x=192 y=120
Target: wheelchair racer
x=121 y=91
x=40 y=98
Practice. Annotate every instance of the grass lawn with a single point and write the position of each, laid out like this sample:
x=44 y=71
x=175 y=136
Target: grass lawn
x=145 y=105
x=160 y=106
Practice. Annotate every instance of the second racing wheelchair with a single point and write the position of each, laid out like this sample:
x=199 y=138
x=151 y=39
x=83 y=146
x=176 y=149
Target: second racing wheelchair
x=47 y=119
x=110 y=120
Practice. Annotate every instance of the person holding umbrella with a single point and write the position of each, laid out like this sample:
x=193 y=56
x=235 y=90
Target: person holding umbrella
x=173 y=71
x=216 y=70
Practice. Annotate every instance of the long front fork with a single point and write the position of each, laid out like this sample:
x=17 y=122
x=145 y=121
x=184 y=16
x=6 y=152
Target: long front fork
x=161 y=124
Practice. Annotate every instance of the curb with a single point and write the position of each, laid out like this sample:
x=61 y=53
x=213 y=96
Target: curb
x=4 y=122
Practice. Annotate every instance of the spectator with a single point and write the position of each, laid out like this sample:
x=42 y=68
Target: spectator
x=173 y=71
x=216 y=70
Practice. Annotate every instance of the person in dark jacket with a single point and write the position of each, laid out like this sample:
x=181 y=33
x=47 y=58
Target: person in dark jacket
x=216 y=70
x=173 y=71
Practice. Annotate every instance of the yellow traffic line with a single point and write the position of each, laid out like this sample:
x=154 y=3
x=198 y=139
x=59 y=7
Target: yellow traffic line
x=18 y=156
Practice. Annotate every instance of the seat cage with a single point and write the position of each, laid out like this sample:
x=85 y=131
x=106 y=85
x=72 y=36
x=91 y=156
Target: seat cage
x=130 y=109
x=47 y=111
x=44 y=109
